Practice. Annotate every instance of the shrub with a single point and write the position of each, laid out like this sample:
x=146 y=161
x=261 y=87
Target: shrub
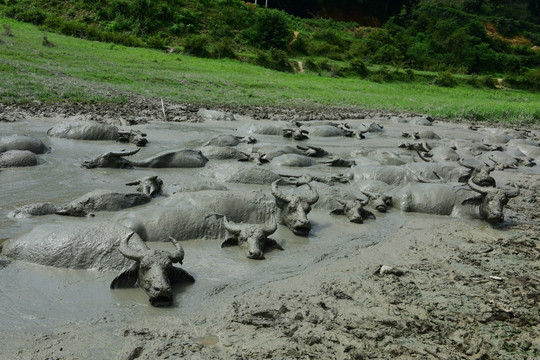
x=358 y=67
x=271 y=30
x=197 y=45
x=224 y=49
x=301 y=44
x=383 y=74
x=156 y=42
x=274 y=59
x=32 y=15
x=445 y=78
x=311 y=65
x=387 y=54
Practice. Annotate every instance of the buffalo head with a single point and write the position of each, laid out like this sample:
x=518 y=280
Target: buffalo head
x=151 y=185
x=153 y=270
x=491 y=201
x=354 y=210
x=294 y=209
x=110 y=160
x=480 y=174
x=253 y=237
x=380 y=202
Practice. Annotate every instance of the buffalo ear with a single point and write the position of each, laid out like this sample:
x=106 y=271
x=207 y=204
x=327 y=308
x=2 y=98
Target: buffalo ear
x=271 y=243
x=177 y=275
x=366 y=214
x=477 y=200
x=232 y=241
x=337 y=212
x=127 y=278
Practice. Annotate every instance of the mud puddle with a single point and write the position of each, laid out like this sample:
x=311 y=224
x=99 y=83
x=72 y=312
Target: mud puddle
x=44 y=303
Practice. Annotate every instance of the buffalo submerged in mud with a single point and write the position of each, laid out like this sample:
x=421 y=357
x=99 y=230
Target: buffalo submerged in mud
x=214 y=200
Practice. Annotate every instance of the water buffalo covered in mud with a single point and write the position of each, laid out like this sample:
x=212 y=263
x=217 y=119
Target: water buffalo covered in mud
x=167 y=159
x=294 y=209
x=18 y=158
x=23 y=142
x=153 y=271
x=97 y=200
x=103 y=247
x=478 y=202
x=84 y=130
x=91 y=130
x=252 y=237
x=353 y=210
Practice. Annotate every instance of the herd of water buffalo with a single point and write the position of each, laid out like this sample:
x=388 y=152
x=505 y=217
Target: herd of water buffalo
x=424 y=174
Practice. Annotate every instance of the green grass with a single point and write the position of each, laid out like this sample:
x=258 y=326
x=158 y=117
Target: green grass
x=86 y=71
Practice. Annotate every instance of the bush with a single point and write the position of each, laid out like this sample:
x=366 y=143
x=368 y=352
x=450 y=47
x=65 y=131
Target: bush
x=156 y=42
x=301 y=44
x=274 y=59
x=387 y=54
x=358 y=67
x=271 y=30
x=224 y=49
x=445 y=78
x=32 y=15
x=383 y=74
x=311 y=65
x=197 y=45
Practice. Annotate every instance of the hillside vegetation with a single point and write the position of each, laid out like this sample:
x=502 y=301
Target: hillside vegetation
x=65 y=70
x=475 y=37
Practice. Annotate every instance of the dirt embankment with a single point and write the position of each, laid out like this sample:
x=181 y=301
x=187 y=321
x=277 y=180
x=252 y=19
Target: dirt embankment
x=147 y=110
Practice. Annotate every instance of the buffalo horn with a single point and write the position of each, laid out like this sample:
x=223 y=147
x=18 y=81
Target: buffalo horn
x=232 y=227
x=480 y=189
x=125 y=153
x=514 y=192
x=278 y=194
x=178 y=255
x=128 y=251
x=314 y=198
x=368 y=194
x=269 y=229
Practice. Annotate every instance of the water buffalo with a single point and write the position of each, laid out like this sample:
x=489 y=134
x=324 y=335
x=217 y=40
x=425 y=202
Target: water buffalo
x=153 y=270
x=18 y=158
x=481 y=173
x=294 y=209
x=354 y=210
x=296 y=134
x=379 y=202
x=235 y=173
x=22 y=142
x=252 y=237
x=412 y=172
x=168 y=159
x=230 y=140
x=103 y=246
x=97 y=200
x=196 y=215
x=84 y=130
x=151 y=185
x=91 y=130
x=485 y=203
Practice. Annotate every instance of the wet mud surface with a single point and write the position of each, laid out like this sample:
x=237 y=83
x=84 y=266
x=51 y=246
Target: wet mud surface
x=404 y=285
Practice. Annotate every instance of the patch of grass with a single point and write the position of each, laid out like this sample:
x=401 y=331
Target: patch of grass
x=90 y=71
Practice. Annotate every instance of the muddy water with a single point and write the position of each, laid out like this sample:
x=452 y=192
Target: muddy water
x=36 y=299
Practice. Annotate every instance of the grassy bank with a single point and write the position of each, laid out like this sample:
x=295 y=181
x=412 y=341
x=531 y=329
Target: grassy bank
x=80 y=70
